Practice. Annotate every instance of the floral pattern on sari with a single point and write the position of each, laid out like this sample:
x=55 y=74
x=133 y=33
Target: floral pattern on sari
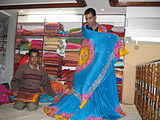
x=86 y=55
x=119 y=110
x=50 y=111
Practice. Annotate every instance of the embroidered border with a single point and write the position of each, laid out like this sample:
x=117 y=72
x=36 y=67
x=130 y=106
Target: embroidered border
x=98 y=80
x=100 y=77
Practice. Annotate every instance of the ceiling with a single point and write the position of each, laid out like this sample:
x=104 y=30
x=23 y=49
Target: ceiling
x=73 y=6
x=103 y=7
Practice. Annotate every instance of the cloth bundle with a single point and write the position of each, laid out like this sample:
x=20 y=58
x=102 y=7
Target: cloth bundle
x=75 y=31
x=66 y=75
x=37 y=44
x=52 y=44
x=53 y=27
x=23 y=32
x=20 y=41
x=52 y=62
x=73 y=44
x=70 y=59
x=38 y=32
x=4 y=94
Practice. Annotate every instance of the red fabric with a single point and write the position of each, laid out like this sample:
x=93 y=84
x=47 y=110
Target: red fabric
x=63 y=73
x=24 y=60
x=119 y=34
x=52 y=55
x=37 y=46
x=39 y=42
x=4 y=92
x=109 y=27
x=69 y=85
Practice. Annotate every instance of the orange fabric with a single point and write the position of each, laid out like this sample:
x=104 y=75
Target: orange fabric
x=56 y=86
x=26 y=97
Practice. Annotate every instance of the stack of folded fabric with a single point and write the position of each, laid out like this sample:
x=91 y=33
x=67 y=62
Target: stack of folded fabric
x=52 y=69
x=37 y=32
x=119 y=76
x=19 y=42
x=37 y=44
x=71 y=59
x=21 y=32
x=52 y=63
x=26 y=46
x=119 y=70
x=53 y=27
x=51 y=44
x=73 y=44
x=75 y=31
x=115 y=29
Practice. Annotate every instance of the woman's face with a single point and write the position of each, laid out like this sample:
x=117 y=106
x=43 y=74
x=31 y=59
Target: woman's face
x=90 y=19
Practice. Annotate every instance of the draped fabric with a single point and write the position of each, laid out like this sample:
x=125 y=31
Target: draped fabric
x=95 y=95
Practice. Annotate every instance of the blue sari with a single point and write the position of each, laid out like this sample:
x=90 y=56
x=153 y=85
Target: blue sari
x=95 y=94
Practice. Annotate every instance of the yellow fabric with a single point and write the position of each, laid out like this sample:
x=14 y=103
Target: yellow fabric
x=123 y=51
x=46 y=110
x=27 y=46
x=84 y=55
x=99 y=30
x=83 y=103
x=60 y=117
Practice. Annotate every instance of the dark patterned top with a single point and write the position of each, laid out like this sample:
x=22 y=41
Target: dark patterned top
x=28 y=80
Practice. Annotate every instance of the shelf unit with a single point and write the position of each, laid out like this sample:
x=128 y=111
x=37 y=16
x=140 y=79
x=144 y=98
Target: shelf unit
x=26 y=31
x=3 y=41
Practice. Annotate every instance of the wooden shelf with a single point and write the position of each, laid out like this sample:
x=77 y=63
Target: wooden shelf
x=49 y=35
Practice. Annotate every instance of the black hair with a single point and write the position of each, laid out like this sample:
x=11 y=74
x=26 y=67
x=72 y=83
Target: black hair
x=33 y=50
x=90 y=10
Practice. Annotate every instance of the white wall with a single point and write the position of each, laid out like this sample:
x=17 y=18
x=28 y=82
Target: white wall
x=143 y=22
x=10 y=46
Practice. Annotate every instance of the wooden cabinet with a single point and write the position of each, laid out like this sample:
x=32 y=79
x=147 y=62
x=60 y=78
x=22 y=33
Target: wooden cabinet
x=147 y=91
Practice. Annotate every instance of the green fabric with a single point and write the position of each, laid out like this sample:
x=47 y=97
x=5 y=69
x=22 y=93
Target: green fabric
x=26 y=46
x=74 y=29
x=74 y=40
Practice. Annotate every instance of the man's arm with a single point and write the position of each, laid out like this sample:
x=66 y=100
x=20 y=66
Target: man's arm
x=46 y=85
x=16 y=80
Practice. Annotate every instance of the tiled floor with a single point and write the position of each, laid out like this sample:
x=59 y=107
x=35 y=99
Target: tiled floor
x=7 y=112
